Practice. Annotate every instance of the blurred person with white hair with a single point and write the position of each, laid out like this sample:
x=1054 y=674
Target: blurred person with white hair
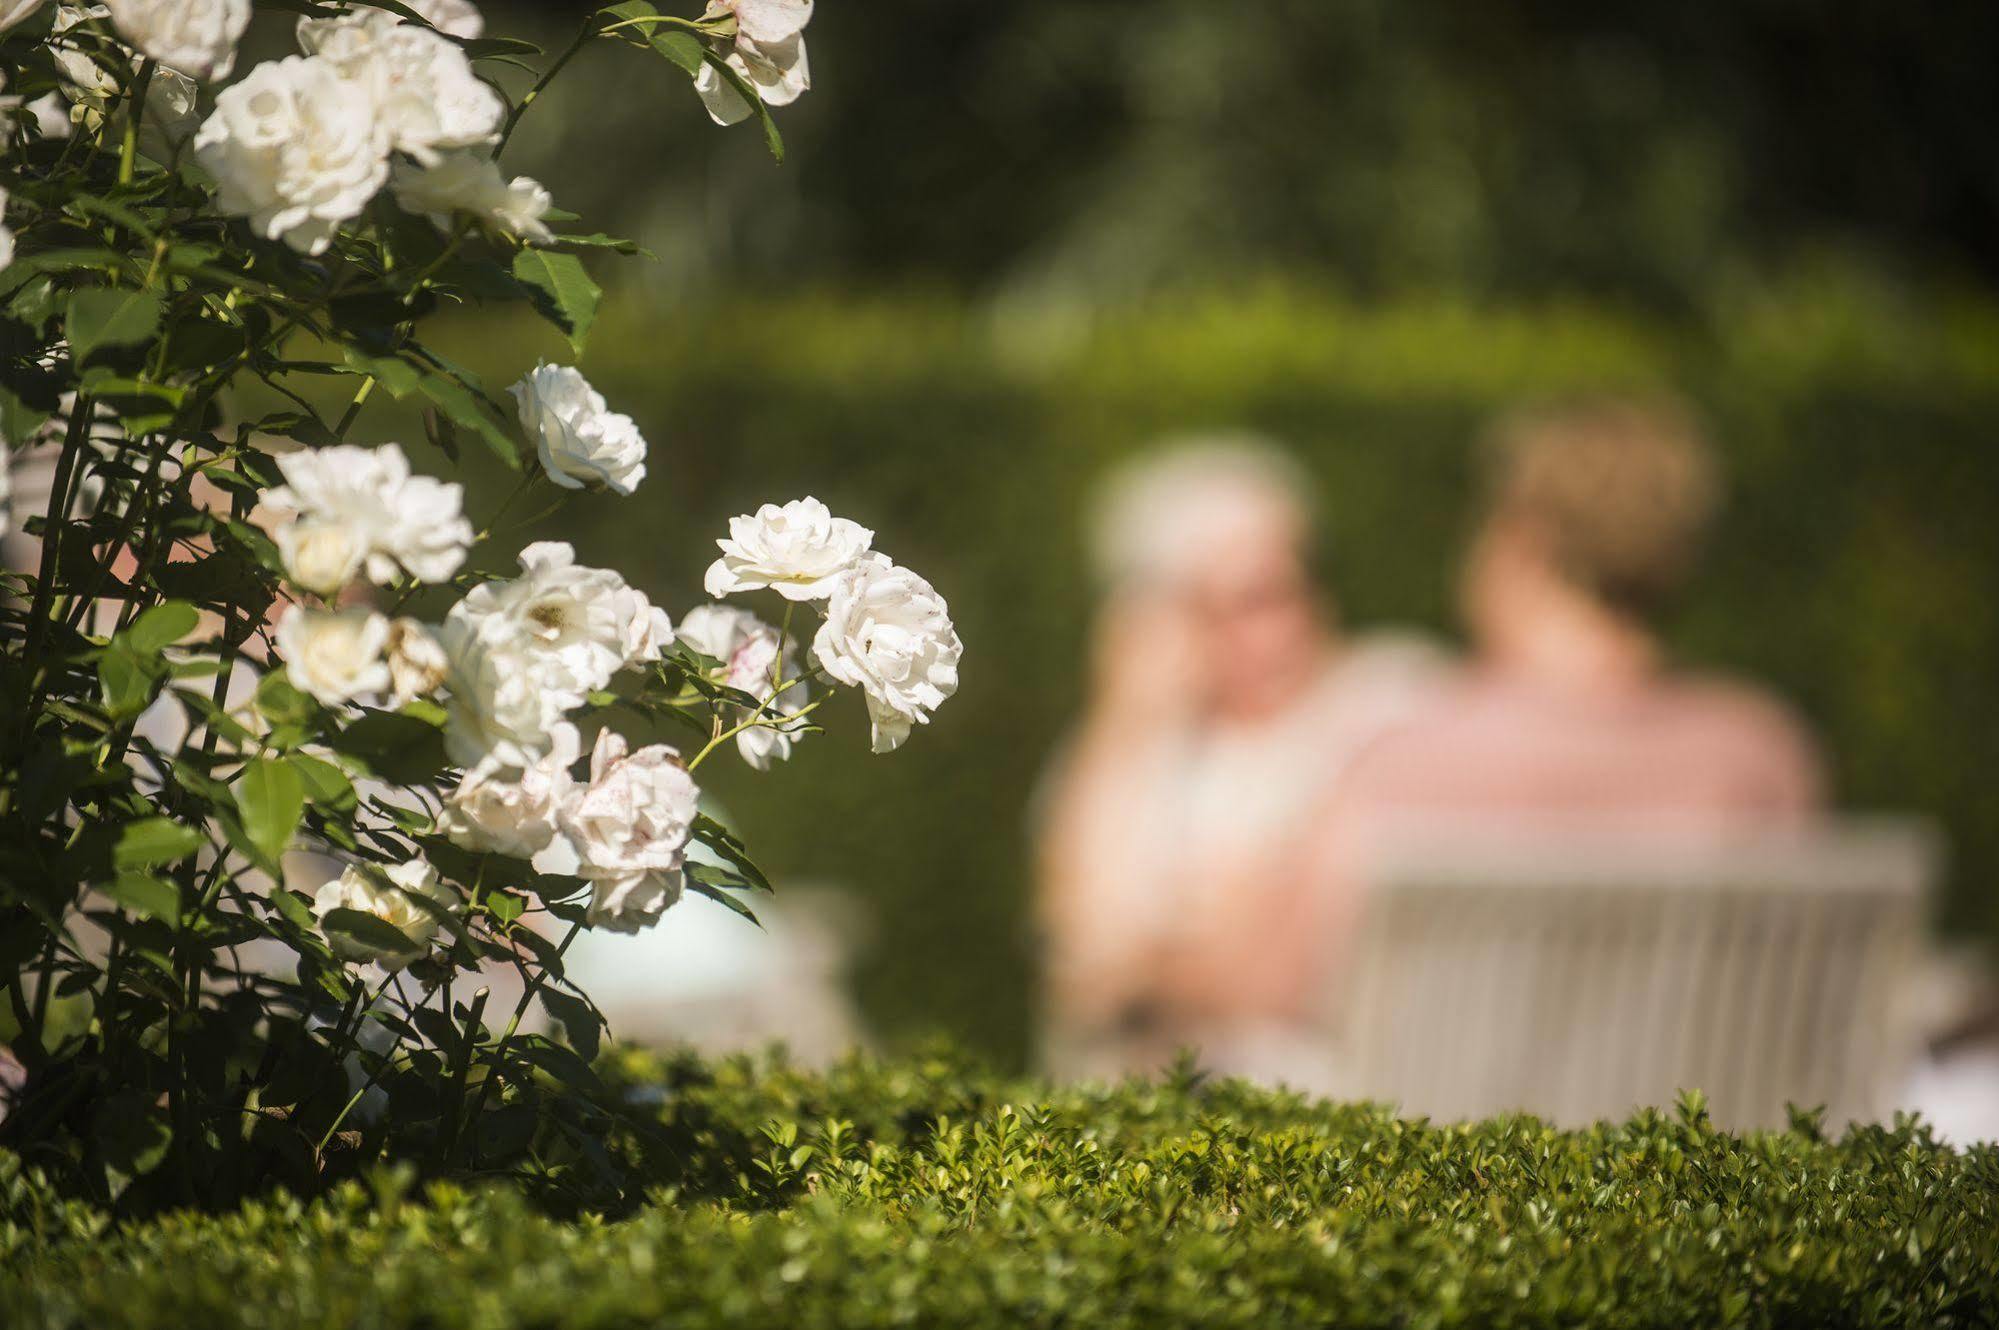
x=1223 y=703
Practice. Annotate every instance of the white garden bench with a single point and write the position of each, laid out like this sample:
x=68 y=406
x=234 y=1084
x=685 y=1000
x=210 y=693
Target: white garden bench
x=1580 y=976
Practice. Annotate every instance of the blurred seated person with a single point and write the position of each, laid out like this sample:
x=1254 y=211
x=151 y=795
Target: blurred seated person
x=1571 y=716
x=1223 y=704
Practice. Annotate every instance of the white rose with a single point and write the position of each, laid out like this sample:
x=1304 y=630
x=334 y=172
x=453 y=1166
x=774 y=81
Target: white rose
x=335 y=655
x=889 y=633
x=471 y=184
x=408 y=897
x=497 y=710
x=509 y=810
x=298 y=148
x=429 y=97
x=748 y=649
x=6 y=257
x=417 y=663
x=320 y=554
x=798 y=550
x=13 y=11
x=580 y=440
x=629 y=829
x=394 y=518
x=197 y=37
x=568 y=626
x=769 y=53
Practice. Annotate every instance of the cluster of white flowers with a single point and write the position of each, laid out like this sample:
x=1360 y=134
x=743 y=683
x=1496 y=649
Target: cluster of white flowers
x=345 y=510
x=300 y=145
x=768 y=53
x=887 y=631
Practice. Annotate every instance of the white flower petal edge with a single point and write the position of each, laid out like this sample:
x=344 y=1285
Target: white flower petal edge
x=798 y=550
x=889 y=633
x=580 y=440
x=334 y=655
x=768 y=53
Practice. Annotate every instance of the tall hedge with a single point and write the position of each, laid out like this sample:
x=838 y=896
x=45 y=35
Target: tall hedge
x=920 y=1193
x=1858 y=569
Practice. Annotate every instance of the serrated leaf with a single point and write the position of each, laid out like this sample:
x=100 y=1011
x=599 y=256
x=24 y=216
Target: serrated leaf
x=326 y=786
x=562 y=291
x=398 y=748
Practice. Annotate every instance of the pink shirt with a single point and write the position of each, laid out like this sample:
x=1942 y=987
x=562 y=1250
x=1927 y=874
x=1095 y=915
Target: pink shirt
x=1702 y=754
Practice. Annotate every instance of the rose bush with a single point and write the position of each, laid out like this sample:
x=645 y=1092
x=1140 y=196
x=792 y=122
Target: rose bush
x=286 y=776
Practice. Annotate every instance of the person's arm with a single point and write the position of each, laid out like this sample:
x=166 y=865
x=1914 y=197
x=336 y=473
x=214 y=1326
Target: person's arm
x=1101 y=859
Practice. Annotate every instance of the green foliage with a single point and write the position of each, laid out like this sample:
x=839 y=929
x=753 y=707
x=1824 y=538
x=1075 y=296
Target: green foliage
x=928 y=1193
x=1857 y=567
x=160 y=350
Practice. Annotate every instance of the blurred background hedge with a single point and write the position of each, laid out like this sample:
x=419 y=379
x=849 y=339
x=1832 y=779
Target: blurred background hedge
x=1858 y=568
x=1016 y=240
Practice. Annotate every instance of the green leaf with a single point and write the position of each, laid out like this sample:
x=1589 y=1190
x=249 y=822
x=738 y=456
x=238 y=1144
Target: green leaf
x=162 y=626
x=127 y=679
x=772 y=139
x=281 y=702
x=721 y=897
x=326 y=786
x=404 y=377
x=145 y=895
x=152 y=841
x=271 y=797
x=580 y=1022
x=561 y=289
x=100 y=319
x=366 y=932
x=398 y=748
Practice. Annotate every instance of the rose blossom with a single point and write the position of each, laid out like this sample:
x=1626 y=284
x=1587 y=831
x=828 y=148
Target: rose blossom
x=197 y=37
x=417 y=663
x=769 y=53
x=798 y=550
x=569 y=626
x=346 y=495
x=428 y=96
x=889 y=633
x=580 y=440
x=298 y=147
x=628 y=830
x=513 y=810
x=335 y=655
x=748 y=650
x=497 y=710
x=408 y=897
x=469 y=183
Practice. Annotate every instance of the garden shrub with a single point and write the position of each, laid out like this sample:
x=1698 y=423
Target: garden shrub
x=289 y=750
x=926 y=1192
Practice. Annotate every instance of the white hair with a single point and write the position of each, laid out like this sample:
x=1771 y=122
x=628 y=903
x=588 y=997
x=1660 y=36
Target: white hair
x=1164 y=513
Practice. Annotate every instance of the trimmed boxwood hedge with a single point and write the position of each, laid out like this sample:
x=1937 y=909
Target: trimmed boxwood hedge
x=925 y=1193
